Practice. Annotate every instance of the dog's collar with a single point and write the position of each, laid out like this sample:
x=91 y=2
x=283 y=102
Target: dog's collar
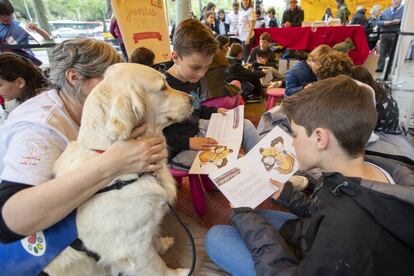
x=118 y=185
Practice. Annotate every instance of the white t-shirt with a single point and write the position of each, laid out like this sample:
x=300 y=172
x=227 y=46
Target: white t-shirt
x=232 y=19
x=33 y=137
x=243 y=26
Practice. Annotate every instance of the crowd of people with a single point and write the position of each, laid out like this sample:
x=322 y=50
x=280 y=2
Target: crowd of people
x=354 y=217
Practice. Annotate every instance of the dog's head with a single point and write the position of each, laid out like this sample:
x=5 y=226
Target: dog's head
x=129 y=95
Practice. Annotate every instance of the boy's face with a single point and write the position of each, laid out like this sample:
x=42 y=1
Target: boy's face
x=6 y=19
x=192 y=67
x=210 y=20
x=305 y=147
x=264 y=44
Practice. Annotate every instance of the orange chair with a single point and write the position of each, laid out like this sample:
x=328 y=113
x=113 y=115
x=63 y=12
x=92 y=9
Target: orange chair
x=273 y=94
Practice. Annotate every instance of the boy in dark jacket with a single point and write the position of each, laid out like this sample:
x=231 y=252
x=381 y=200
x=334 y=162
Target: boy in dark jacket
x=248 y=78
x=303 y=72
x=359 y=217
x=194 y=48
x=264 y=50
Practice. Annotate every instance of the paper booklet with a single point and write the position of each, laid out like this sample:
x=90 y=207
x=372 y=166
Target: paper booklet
x=227 y=130
x=35 y=35
x=246 y=181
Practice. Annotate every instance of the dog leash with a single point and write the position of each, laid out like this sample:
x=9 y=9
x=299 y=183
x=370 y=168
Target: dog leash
x=188 y=232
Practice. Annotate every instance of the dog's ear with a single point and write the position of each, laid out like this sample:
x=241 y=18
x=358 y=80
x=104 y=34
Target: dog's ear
x=126 y=112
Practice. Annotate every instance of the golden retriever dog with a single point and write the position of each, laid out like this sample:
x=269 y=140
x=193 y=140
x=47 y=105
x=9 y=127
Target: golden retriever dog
x=122 y=225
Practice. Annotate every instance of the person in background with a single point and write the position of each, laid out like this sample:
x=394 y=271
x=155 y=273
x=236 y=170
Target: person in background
x=245 y=27
x=359 y=16
x=303 y=72
x=371 y=26
x=250 y=80
x=210 y=7
x=272 y=21
x=343 y=12
x=20 y=79
x=332 y=64
x=12 y=33
x=223 y=44
x=260 y=21
x=116 y=33
x=222 y=26
x=213 y=82
x=389 y=20
x=232 y=19
x=208 y=22
x=387 y=108
x=327 y=15
x=143 y=56
x=293 y=16
x=264 y=48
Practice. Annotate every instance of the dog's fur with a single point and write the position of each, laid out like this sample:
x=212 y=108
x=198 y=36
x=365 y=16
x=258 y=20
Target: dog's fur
x=122 y=225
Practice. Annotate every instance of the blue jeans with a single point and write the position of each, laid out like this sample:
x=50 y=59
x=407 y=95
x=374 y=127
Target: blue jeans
x=227 y=249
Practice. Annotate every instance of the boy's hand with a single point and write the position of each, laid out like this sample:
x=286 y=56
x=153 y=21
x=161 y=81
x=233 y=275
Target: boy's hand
x=280 y=186
x=222 y=110
x=202 y=143
x=32 y=26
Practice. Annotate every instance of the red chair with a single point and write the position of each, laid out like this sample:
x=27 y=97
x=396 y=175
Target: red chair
x=228 y=102
x=273 y=94
x=197 y=183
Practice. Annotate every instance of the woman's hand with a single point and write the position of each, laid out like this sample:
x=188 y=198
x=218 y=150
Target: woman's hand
x=247 y=42
x=279 y=185
x=202 y=143
x=137 y=154
x=222 y=111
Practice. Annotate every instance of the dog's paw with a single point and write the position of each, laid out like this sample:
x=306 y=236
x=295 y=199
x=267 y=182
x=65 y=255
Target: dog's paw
x=163 y=244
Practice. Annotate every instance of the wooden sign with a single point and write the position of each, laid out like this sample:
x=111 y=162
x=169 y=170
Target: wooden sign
x=143 y=23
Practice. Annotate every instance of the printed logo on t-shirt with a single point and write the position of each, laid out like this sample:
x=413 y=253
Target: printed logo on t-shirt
x=196 y=104
x=34 y=152
x=35 y=244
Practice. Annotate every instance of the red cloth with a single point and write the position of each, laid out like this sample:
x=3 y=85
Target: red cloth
x=1 y=100
x=308 y=38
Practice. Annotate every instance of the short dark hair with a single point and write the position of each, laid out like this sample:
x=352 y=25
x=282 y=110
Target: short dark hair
x=222 y=40
x=207 y=14
x=362 y=74
x=13 y=66
x=271 y=10
x=235 y=4
x=143 y=56
x=235 y=49
x=6 y=8
x=191 y=36
x=339 y=104
x=265 y=36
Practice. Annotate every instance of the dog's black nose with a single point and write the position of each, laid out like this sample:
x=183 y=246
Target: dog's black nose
x=191 y=99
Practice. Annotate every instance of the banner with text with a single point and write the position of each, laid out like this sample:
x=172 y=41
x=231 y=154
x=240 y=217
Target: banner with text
x=143 y=23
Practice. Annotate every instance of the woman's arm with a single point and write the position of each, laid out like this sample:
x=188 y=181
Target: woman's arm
x=40 y=31
x=36 y=208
